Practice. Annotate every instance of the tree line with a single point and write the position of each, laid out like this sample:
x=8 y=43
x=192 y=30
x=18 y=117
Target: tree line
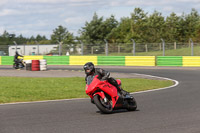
x=140 y=26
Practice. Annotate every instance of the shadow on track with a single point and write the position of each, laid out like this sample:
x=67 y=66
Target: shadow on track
x=117 y=111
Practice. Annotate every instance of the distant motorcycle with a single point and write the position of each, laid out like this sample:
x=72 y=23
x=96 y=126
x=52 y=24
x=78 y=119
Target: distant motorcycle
x=19 y=64
x=107 y=98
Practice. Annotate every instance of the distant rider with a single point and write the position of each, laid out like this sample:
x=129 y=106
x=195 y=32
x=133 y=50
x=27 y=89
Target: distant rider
x=16 y=60
x=91 y=72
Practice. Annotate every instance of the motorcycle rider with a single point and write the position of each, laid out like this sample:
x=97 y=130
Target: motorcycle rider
x=16 y=60
x=91 y=72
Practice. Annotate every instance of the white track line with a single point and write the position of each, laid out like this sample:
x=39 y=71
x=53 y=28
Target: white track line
x=44 y=101
x=175 y=81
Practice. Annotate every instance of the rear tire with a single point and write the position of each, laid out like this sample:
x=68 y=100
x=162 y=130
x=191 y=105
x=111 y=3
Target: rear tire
x=132 y=104
x=104 y=108
x=21 y=65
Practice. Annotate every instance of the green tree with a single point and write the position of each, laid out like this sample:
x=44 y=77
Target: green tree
x=131 y=28
x=120 y=33
x=138 y=25
x=189 y=26
x=155 y=27
x=192 y=22
x=39 y=38
x=32 y=38
x=197 y=33
x=172 y=25
x=61 y=34
x=6 y=34
x=97 y=30
x=108 y=26
x=92 y=32
x=20 y=39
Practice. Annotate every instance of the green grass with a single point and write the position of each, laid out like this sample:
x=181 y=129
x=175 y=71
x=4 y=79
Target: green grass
x=177 y=52
x=23 y=89
x=134 y=85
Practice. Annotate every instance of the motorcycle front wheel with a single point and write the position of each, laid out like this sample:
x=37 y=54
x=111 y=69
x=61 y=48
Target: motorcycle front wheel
x=15 y=66
x=132 y=104
x=104 y=107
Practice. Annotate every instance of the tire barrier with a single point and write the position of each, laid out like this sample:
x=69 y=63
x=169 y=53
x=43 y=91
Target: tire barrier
x=28 y=61
x=43 y=65
x=28 y=65
x=35 y=65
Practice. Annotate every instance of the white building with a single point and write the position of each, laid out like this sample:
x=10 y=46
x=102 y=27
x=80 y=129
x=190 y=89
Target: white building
x=32 y=49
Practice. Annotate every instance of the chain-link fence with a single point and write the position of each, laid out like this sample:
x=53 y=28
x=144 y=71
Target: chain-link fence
x=141 y=49
x=4 y=50
x=112 y=49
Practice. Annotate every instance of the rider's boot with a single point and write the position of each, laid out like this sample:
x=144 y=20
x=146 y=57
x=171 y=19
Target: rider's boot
x=122 y=92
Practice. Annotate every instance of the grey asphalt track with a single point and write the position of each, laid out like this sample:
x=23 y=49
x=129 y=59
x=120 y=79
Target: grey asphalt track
x=174 y=110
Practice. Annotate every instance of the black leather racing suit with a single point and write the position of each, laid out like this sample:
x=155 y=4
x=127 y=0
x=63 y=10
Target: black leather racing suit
x=16 y=60
x=102 y=74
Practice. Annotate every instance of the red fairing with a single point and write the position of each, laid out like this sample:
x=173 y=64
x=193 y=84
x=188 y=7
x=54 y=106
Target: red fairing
x=98 y=87
x=101 y=94
x=119 y=81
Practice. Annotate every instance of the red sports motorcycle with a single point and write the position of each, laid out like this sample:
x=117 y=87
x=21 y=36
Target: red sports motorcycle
x=107 y=98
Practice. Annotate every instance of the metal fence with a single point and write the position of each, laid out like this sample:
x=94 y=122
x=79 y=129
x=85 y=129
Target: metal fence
x=141 y=49
x=4 y=50
x=121 y=49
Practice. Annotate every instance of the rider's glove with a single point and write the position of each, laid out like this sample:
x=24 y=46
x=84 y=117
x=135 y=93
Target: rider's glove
x=104 y=78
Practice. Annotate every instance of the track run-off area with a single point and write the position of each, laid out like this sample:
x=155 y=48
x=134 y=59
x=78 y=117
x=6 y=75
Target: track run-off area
x=170 y=110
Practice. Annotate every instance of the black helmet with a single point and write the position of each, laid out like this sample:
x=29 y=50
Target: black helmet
x=89 y=68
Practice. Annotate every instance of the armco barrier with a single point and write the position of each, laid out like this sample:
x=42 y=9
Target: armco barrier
x=191 y=61
x=111 y=60
x=139 y=60
x=57 y=60
x=81 y=60
x=169 y=61
x=185 y=61
x=7 y=60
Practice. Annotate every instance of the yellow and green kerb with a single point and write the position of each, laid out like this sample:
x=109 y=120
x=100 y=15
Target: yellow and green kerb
x=182 y=61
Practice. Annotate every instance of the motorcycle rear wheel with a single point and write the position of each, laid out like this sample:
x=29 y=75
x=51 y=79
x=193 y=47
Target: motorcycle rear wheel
x=21 y=65
x=132 y=104
x=104 y=108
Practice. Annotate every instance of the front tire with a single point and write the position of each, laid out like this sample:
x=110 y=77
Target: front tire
x=132 y=104
x=102 y=106
x=15 y=66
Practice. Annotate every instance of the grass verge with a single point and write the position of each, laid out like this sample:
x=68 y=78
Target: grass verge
x=23 y=89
